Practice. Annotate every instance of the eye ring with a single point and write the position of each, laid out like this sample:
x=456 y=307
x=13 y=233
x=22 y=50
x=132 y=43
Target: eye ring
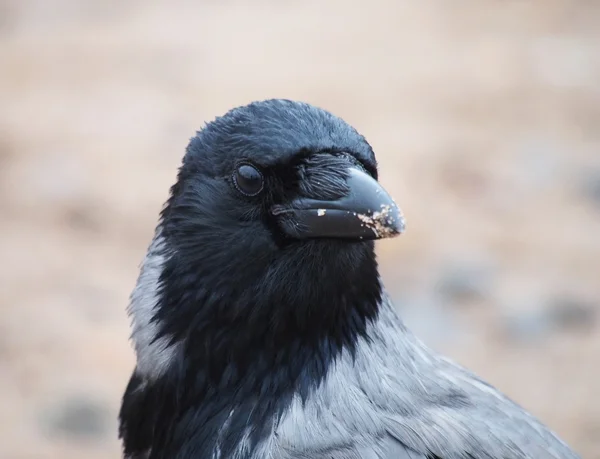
x=248 y=179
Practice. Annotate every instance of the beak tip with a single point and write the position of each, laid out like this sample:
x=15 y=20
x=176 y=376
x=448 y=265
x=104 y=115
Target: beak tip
x=385 y=223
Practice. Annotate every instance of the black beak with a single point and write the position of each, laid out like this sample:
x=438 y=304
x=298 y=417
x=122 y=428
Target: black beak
x=366 y=212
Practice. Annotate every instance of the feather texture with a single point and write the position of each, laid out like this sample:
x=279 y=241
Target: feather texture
x=398 y=397
x=254 y=344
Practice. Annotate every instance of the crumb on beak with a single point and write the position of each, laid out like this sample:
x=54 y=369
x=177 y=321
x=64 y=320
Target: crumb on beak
x=381 y=222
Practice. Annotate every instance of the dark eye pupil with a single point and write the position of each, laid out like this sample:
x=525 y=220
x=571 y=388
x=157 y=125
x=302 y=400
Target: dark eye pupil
x=248 y=180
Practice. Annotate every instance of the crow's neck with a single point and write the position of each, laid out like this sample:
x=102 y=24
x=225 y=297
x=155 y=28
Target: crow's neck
x=241 y=359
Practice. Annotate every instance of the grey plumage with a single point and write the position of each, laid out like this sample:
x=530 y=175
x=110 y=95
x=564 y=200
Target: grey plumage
x=398 y=399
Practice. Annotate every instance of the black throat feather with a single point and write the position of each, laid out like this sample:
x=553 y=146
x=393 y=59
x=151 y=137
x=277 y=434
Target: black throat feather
x=254 y=334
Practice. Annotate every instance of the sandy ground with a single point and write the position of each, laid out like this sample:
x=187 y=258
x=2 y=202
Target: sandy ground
x=485 y=116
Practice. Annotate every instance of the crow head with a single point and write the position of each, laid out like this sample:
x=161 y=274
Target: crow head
x=267 y=235
x=266 y=242
x=262 y=269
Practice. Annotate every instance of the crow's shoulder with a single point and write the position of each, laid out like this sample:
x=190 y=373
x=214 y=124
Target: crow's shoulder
x=398 y=399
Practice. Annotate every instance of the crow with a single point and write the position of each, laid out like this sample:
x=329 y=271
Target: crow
x=260 y=323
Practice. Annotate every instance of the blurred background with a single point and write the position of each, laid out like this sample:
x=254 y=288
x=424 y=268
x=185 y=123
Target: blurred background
x=485 y=116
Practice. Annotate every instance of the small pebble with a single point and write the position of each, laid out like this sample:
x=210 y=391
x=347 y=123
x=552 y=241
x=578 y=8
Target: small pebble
x=462 y=282
x=558 y=315
x=591 y=188
x=77 y=417
x=572 y=314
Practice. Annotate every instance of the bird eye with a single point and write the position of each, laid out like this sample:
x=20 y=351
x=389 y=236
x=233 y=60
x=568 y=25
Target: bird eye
x=248 y=180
